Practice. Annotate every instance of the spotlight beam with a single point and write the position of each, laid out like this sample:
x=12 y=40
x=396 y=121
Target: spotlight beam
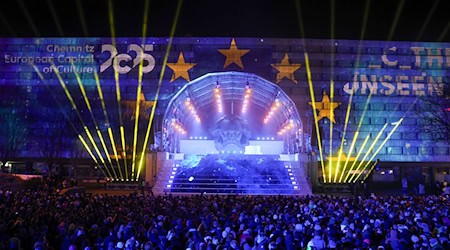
x=55 y=17
x=105 y=113
x=444 y=32
x=75 y=108
x=316 y=122
x=117 y=81
x=381 y=146
x=147 y=134
x=349 y=105
x=427 y=20
x=88 y=104
x=355 y=136
x=396 y=18
x=357 y=156
x=139 y=90
x=369 y=150
x=28 y=17
x=81 y=16
x=298 y=9
x=7 y=25
x=80 y=137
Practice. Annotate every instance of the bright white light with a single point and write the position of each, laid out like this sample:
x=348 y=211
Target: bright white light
x=173 y=172
x=291 y=174
x=174 y=169
x=273 y=138
x=201 y=138
x=391 y=171
x=191 y=137
x=177 y=165
x=295 y=187
x=257 y=138
x=171 y=177
x=292 y=178
x=191 y=178
x=170 y=181
x=169 y=186
x=294 y=182
x=196 y=137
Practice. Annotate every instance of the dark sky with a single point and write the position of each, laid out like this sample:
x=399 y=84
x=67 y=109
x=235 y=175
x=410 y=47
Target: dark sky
x=243 y=18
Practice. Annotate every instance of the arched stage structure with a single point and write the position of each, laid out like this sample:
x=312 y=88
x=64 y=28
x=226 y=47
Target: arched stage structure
x=232 y=132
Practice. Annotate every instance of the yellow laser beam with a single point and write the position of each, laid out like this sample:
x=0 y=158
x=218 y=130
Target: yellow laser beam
x=88 y=104
x=117 y=81
x=55 y=17
x=370 y=149
x=382 y=144
x=348 y=158
x=357 y=156
x=316 y=123
x=81 y=16
x=83 y=141
x=147 y=133
x=75 y=108
x=90 y=152
x=427 y=20
x=28 y=17
x=355 y=137
x=396 y=18
x=349 y=105
x=139 y=90
x=369 y=170
x=105 y=113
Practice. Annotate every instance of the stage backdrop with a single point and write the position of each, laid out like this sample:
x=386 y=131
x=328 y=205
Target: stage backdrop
x=48 y=85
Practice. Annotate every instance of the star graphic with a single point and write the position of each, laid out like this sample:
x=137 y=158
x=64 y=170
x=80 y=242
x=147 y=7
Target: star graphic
x=285 y=69
x=180 y=68
x=326 y=108
x=233 y=54
x=130 y=108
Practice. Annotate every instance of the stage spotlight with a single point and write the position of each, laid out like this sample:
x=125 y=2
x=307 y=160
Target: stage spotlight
x=191 y=178
x=169 y=186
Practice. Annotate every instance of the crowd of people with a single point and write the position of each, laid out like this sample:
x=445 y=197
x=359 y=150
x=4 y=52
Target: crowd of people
x=46 y=220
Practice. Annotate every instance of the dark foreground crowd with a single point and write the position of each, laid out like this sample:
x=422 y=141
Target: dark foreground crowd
x=46 y=220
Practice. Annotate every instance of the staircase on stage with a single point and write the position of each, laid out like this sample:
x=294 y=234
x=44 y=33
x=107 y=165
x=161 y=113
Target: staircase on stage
x=231 y=173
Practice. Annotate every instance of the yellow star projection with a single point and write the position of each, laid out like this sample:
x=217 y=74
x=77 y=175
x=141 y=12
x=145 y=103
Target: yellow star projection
x=180 y=68
x=130 y=108
x=326 y=108
x=285 y=69
x=233 y=54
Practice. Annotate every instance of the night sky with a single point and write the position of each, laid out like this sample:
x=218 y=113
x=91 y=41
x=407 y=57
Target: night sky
x=243 y=18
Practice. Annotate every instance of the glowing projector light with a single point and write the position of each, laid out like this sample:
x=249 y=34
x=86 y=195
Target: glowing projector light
x=191 y=178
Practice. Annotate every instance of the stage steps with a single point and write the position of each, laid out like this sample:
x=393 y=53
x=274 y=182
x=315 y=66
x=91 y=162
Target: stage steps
x=272 y=178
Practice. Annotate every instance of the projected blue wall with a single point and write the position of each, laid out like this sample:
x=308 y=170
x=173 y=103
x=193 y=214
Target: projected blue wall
x=38 y=116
